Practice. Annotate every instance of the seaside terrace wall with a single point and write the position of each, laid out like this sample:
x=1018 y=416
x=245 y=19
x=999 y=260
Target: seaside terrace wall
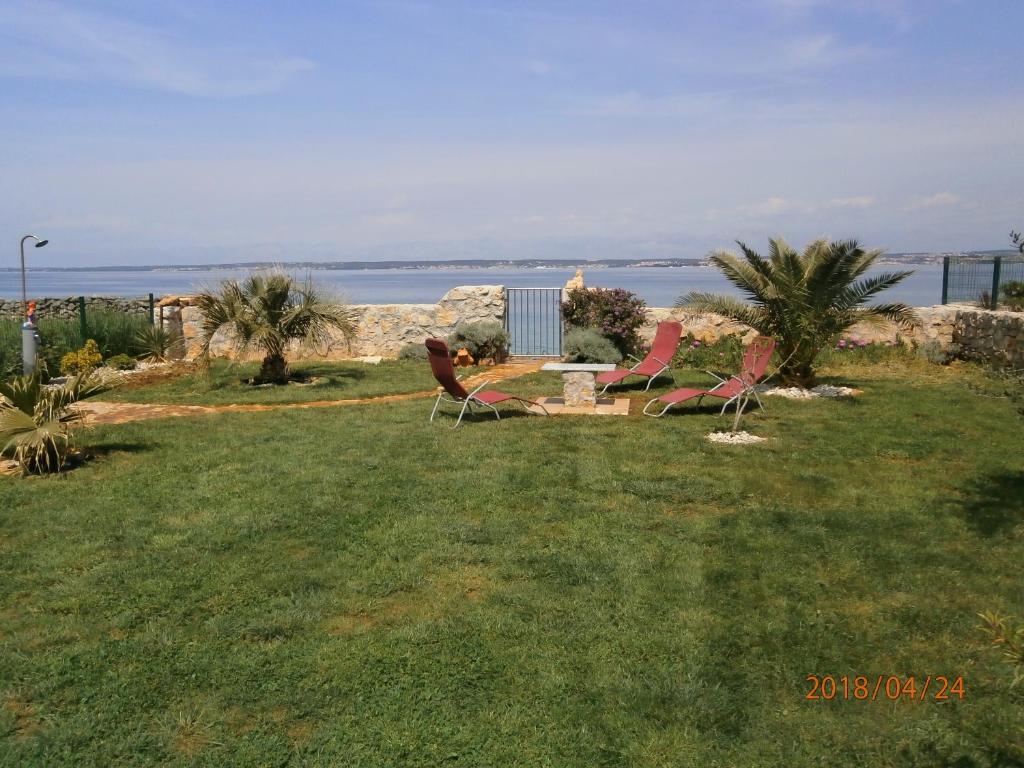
x=381 y=329
x=66 y=308
x=961 y=330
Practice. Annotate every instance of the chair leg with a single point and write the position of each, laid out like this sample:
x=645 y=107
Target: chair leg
x=437 y=404
x=758 y=399
x=462 y=413
x=527 y=403
x=605 y=389
x=655 y=415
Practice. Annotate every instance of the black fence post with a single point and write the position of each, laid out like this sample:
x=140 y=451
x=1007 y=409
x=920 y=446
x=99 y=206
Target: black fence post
x=82 y=327
x=997 y=265
x=945 y=279
x=152 y=310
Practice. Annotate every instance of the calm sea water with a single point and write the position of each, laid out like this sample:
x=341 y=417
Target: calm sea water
x=659 y=286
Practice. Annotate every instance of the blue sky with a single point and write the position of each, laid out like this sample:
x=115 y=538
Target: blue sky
x=137 y=132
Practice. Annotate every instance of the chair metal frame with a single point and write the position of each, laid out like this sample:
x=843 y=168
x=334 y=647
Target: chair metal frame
x=747 y=379
x=665 y=367
x=471 y=399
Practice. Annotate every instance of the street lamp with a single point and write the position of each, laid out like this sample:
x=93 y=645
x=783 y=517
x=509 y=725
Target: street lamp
x=29 y=336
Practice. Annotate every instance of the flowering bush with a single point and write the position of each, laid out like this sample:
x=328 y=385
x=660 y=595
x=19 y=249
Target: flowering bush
x=82 y=360
x=617 y=313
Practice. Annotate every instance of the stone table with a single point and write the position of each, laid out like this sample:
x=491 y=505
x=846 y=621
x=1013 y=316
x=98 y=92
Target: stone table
x=578 y=387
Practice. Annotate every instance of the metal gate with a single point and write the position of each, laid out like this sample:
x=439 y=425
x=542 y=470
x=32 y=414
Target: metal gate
x=533 y=318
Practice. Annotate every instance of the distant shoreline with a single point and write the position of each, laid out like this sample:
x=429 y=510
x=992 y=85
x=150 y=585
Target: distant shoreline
x=889 y=259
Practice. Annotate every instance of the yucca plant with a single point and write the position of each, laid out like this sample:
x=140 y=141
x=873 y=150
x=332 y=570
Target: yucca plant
x=36 y=420
x=803 y=300
x=265 y=313
x=157 y=344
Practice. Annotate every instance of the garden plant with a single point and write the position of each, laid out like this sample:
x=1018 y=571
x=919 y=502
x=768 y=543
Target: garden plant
x=803 y=300
x=266 y=313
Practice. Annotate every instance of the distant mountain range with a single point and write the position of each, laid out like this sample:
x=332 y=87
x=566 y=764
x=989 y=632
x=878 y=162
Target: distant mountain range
x=414 y=264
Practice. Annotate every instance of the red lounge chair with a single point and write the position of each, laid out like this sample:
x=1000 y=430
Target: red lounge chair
x=444 y=372
x=755 y=364
x=658 y=360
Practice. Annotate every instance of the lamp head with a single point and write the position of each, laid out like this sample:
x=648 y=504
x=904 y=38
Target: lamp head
x=41 y=243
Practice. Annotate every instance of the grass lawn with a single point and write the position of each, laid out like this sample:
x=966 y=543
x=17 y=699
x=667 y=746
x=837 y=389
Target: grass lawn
x=327 y=381
x=359 y=587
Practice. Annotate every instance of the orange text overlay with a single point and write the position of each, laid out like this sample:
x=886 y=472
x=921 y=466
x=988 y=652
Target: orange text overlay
x=885 y=688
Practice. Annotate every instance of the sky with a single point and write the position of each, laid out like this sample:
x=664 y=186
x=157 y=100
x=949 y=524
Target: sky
x=137 y=132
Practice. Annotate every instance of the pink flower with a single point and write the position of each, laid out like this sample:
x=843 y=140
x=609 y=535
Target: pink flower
x=842 y=343
x=696 y=344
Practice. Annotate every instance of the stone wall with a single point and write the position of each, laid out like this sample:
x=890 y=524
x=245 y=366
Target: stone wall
x=960 y=329
x=382 y=329
x=67 y=308
x=995 y=337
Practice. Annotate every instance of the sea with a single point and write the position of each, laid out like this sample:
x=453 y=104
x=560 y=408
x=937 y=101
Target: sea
x=658 y=286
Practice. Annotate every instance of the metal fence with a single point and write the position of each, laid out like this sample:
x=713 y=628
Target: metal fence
x=979 y=281
x=533 y=319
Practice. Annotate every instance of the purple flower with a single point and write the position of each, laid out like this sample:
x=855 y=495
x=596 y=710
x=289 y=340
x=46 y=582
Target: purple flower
x=696 y=344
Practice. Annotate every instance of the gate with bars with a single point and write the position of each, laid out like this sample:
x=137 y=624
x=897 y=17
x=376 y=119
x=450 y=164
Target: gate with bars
x=533 y=319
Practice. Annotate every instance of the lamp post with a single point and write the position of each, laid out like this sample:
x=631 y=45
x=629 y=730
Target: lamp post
x=29 y=335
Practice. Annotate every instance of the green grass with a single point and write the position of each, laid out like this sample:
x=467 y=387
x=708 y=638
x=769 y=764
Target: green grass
x=225 y=384
x=360 y=587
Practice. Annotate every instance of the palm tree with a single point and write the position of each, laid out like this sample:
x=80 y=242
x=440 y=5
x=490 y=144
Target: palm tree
x=805 y=301
x=266 y=312
x=36 y=420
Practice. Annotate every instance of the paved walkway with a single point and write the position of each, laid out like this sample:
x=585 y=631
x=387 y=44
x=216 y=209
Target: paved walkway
x=102 y=412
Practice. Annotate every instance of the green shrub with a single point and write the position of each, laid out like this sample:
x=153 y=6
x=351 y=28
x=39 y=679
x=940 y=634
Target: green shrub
x=616 y=313
x=724 y=354
x=120 y=362
x=10 y=349
x=115 y=333
x=413 y=352
x=483 y=340
x=1011 y=295
x=155 y=344
x=589 y=345
x=81 y=361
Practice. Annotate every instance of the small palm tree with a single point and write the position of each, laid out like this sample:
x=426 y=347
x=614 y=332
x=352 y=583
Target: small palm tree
x=36 y=420
x=805 y=301
x=266 y=312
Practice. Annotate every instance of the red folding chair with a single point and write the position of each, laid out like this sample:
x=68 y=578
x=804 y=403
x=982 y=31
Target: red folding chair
x=444 y=372
x=655 y=363
x=755 y=364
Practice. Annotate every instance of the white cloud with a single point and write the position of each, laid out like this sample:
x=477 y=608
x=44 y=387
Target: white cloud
x=857 y=201
x=54 y=41
x=938 y=200
x=779 y=206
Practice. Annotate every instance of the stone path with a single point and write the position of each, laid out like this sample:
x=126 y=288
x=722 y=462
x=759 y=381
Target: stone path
x=102 y=412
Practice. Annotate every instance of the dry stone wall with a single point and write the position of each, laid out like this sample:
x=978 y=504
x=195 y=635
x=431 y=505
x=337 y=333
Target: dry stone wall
x=67 y=308
x=381 y=329
x=995 y=337
x=960 y=329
